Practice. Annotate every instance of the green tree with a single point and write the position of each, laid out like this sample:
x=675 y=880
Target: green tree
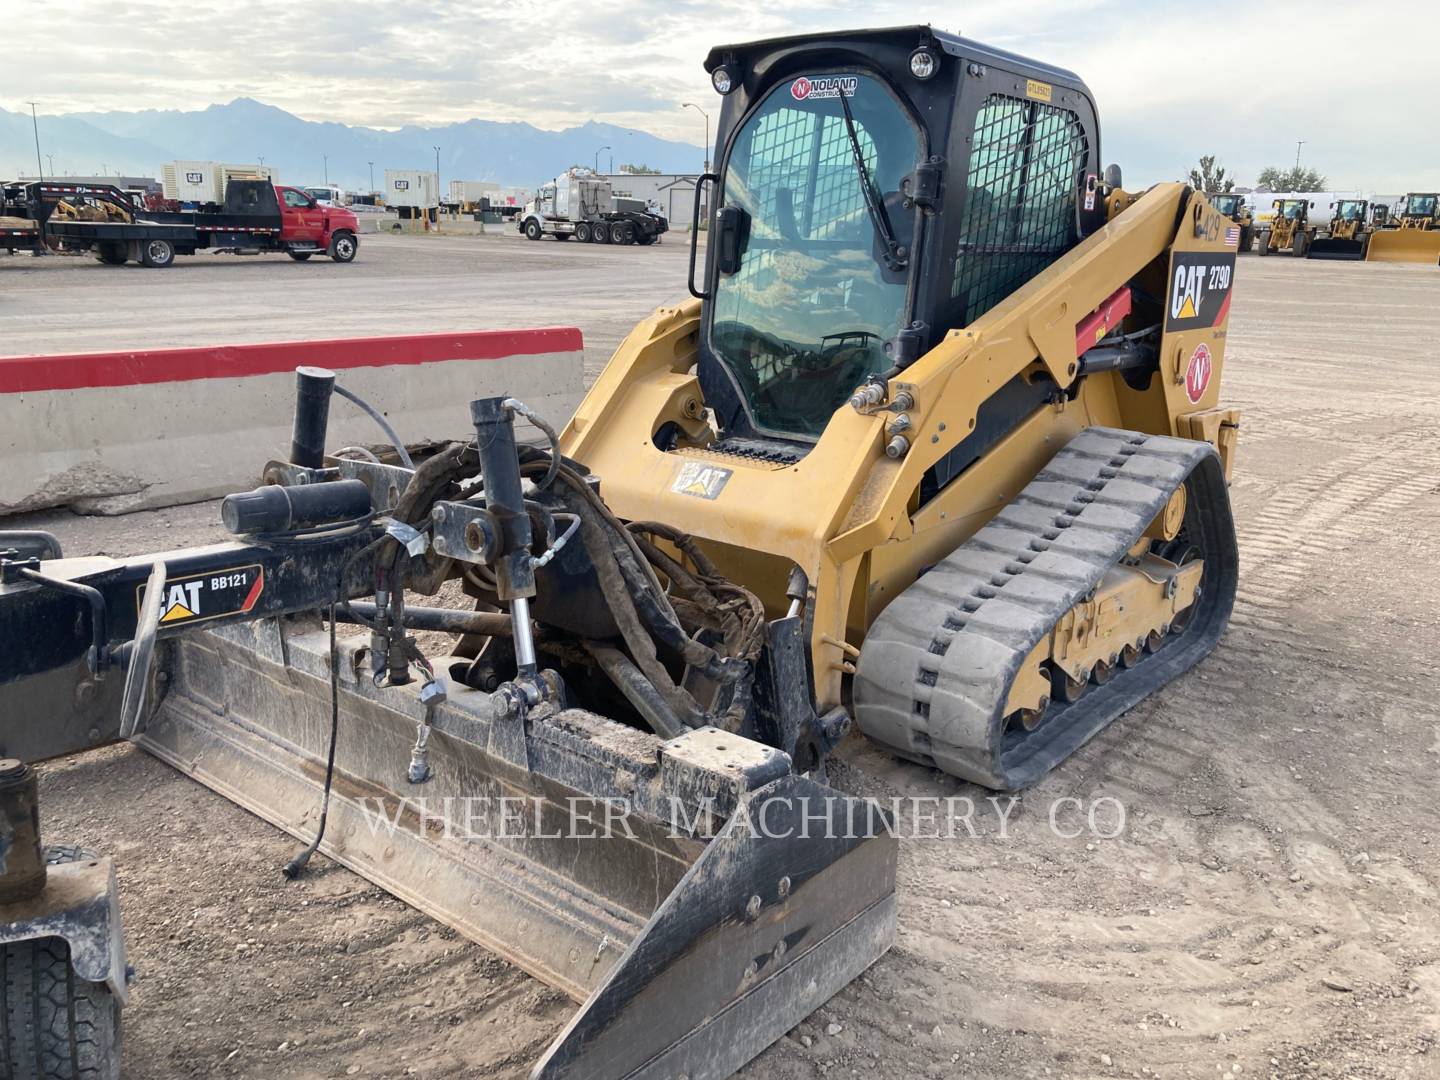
x=1293 y=179
x=639 y=170
x=1210 y=176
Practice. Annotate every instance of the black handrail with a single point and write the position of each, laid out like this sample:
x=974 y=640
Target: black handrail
x=695 y=233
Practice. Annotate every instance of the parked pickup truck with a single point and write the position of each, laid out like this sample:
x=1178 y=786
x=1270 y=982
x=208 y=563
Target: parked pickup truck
x=258 y=216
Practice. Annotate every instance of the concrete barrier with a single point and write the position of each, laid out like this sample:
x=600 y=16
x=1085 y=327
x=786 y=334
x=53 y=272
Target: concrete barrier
x=112 y=432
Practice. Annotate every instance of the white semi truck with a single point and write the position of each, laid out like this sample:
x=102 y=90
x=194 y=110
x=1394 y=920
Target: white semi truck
x=581 y=204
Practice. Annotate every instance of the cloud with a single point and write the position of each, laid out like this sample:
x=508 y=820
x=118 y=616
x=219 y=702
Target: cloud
x=1172 y=80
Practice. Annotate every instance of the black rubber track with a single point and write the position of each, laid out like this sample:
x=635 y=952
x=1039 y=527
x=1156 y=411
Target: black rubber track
x=935 y=670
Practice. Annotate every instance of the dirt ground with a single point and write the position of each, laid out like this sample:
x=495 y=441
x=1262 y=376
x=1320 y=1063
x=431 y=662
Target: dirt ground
x=1268 y=909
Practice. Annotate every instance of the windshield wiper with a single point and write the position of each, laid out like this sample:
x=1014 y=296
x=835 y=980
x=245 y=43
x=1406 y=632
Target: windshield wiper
x=894 y=255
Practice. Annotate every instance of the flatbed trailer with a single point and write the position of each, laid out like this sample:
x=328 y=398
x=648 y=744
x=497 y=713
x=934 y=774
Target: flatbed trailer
x=258 y=216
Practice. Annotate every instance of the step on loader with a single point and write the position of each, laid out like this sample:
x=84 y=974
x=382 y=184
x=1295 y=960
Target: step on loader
x=936 y=451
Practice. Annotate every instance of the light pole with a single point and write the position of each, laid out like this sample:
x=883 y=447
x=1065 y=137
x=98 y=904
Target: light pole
x=597 y=159
x=372 y=176
x=702 y=112
x=1298 y=145
x=39 y=165
x=326 y=159
x=51 y=159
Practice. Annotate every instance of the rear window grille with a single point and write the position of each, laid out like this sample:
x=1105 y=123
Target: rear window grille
x=1019 y=216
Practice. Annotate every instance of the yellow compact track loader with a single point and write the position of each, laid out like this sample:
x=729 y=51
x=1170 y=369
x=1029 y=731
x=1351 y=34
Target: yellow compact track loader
x=1348 y=235
x=1289 y=230
x=1415 y=236
x=936 y=451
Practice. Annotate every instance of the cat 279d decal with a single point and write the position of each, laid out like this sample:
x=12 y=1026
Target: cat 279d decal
x=1199 y=293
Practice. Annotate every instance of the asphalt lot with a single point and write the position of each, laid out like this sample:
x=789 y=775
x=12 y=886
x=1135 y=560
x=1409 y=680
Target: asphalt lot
x=1271 y=909
x=396 y=285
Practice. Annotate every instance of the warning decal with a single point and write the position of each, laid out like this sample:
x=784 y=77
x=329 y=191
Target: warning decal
x=1199 y=293
x=210 y=595
x=701 y=480
x=1197 y=375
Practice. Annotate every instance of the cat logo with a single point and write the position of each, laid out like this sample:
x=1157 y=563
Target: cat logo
x=183 y=601
x=211 y=594
x=1199 y=292
x=700 y=480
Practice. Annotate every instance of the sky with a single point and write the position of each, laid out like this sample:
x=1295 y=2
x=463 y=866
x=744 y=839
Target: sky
x=1171 y=81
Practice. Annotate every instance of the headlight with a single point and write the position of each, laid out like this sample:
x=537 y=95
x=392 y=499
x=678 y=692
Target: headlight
x=923 y=64
x=722 y=80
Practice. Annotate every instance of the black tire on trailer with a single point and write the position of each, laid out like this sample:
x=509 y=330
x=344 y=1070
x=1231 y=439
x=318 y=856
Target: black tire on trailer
x=582 y=232
x=56 y=1026
x=600 y=232
x=157 y=254
x=112 y=253
x=343 y=247
x=533 y=230
x=300 y=256
x=623 y=233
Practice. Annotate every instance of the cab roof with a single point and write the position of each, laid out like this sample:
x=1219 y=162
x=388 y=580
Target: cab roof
x=952 y=44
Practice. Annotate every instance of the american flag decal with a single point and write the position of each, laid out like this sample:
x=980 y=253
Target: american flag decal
x=1232 y=236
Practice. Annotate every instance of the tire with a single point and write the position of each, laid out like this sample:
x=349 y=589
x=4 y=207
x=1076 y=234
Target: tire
x=300 y=256
x=1302 y=241
x=1247 y=237
x=623 y=233
x=157 y=254
x=600 y=232
x=562 y=236
x=112 y=254
x=343 y=247
x=1263 y=240
x=56 y=1026
x=532 y=230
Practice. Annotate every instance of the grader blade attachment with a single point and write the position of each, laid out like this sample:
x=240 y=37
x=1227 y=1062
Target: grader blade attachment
x=1405 y=245
x=698 y=896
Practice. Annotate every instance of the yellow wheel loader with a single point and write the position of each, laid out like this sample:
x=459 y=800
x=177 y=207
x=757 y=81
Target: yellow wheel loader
x=1289 y=229
x=1415 y=236
x=1237 y=210
x=936 y=451
x=1348 y=233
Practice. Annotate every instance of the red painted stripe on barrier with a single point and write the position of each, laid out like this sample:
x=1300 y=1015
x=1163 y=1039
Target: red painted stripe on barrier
x=21 y=374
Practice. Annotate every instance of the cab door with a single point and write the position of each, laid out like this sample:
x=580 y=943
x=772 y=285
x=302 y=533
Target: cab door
x=301 y=218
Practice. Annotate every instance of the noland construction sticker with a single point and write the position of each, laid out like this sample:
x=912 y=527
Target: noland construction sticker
x=701 y=480
x=1199 y=294
x=824 y=86
x=210 y=595
x=1197 y=375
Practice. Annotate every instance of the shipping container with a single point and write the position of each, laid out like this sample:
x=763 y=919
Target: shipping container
x=470 y=192
x=412 y=187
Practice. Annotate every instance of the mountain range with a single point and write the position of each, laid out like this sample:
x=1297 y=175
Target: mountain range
x=245 y=131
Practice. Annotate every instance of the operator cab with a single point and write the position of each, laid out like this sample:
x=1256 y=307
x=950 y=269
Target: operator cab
x=1350 y=210
x=1421 y=206
x=1230 y=205
x=1291 y=209
x=874 y=191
